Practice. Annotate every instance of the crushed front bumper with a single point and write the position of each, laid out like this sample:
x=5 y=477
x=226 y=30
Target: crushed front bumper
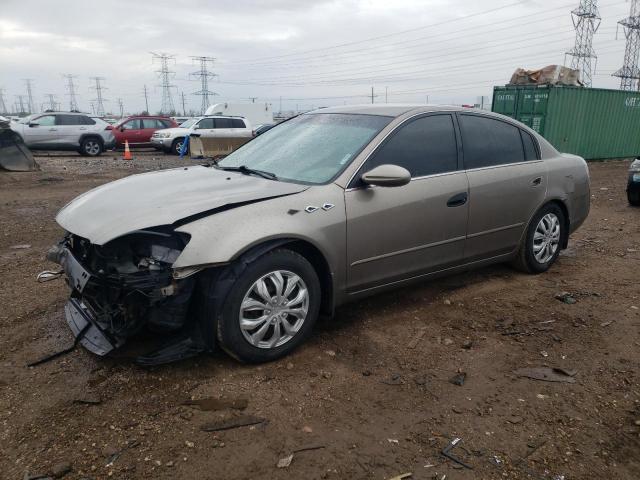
x=104 y=310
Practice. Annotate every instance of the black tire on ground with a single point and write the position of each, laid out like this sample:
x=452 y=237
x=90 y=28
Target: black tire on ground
x=228 y=331
x=525 y=260
x=177 y=145
x=91 y=146
x=634 y=198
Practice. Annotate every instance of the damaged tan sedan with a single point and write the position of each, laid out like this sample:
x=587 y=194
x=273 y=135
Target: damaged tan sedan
x=323 y=209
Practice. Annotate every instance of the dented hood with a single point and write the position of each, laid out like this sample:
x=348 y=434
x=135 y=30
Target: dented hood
x=162 y=198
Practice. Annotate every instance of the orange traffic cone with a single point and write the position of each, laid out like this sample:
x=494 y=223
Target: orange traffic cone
x=127 y=152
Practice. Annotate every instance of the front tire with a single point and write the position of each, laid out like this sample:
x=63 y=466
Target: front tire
x=633 y=198
x=271 y=308
x=177 y=145
x=91 y=147
x=543 y=240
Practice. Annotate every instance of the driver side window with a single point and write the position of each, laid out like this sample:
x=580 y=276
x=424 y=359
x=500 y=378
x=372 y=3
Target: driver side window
x=46 y=121
x=425 y=146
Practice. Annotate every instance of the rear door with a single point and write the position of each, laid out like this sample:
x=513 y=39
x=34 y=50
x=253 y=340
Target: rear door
x=70 y=128
x=401 y=232
x=149 y=125
x=507 y=183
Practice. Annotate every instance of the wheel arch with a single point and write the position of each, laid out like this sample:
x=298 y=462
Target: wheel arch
x=311 y=253
x=86 y=136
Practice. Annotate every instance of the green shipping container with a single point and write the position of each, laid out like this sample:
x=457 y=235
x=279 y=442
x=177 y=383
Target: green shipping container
x=591 y=122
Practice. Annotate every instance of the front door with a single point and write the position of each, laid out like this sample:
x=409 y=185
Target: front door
x=131 y=132
x=395 y=233
x=43 y=134
x=507 y=183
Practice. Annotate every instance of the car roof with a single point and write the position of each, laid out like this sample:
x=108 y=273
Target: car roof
x=391 y=110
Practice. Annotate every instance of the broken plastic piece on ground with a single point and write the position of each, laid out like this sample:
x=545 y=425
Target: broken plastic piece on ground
x=242 y=421
x=14 y=155
x=179 y=349
x=285 y=461
x=49 y=275
x=402 y=476
x=208 y=404
x=547 y=374
x=55 y=355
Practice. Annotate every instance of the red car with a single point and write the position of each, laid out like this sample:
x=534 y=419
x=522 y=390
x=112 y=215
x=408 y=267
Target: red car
x=138 y=130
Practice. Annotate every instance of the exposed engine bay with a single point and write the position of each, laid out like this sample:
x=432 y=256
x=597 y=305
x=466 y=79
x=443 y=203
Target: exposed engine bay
x=123 y=286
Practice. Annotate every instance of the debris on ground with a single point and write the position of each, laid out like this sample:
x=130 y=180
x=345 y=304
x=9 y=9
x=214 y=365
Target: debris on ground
x=20 y=246
x=88 y=399
x=242 y=421
x=210 y=404
x=112 y=458
x=285 y=461
x=402 y=476
x=547 y=374
x=458 y=379
x=467 y=344
x=394 y=379
x=565 y=297
x=446 y=452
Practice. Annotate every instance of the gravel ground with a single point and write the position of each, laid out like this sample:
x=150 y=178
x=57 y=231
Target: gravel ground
x=368 y=397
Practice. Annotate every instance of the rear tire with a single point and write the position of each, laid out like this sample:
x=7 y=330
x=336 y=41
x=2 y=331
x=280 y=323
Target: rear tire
x=91 y=147
x=633 y=198
x=279 y=293
x=543 y=240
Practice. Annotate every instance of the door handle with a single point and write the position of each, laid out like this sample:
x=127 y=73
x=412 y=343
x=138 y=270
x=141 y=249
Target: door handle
x=53 y=129
x=536 y=181
x=457 y=200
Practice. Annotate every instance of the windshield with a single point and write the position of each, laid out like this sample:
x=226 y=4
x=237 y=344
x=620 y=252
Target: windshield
x=311 y=148
x=189 y=122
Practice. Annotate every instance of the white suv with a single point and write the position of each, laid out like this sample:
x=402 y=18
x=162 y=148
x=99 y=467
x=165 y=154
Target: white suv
x=210 y=126
x=65 y=131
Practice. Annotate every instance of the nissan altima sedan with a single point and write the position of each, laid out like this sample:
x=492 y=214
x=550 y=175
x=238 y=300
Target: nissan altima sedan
x=323 y=209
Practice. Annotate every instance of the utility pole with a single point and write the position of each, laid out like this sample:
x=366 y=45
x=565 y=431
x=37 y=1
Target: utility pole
x=371 y=94
x=184 y=109
x=99 y=100
x=71 y=92
x=386 y=94
x=121 y=107
x=165 y=81
x=52 y=104
x=630 y=73
x=280 y=108
x=586 y=20
x=253 y=99
x=29 y=84
x=204 y=74
x=20 y=104
x=146 y=99
x=93 y=108
x=3 y=105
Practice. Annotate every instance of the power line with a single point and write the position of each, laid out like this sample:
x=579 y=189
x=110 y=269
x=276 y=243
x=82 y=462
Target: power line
x=71 y=92
x=380 y=37
x=165 y=81
x=99 y=100
x=629 y=73
x=586 y=20
x=204 y=74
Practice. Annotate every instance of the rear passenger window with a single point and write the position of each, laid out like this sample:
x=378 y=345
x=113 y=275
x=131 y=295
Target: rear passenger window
x=530 y=152
x=237 y=123
x=151 y=123
x=488 y=142
x=425 y=146
x=68 y=120
x=224 y=123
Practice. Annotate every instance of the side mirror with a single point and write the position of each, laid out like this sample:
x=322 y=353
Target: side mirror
x=387 y=176
x=195 y=127
x=121 y=129
x=34 y=124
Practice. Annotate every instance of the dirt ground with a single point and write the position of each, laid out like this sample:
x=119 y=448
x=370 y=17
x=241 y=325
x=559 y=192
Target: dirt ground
x=368 y=397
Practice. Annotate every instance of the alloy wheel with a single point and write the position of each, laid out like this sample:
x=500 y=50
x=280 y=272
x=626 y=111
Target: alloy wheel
x=92 y=147
x=546 y=238
x=274 y=309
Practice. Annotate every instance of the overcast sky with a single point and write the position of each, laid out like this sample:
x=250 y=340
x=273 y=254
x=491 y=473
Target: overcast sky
x=310 y=53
